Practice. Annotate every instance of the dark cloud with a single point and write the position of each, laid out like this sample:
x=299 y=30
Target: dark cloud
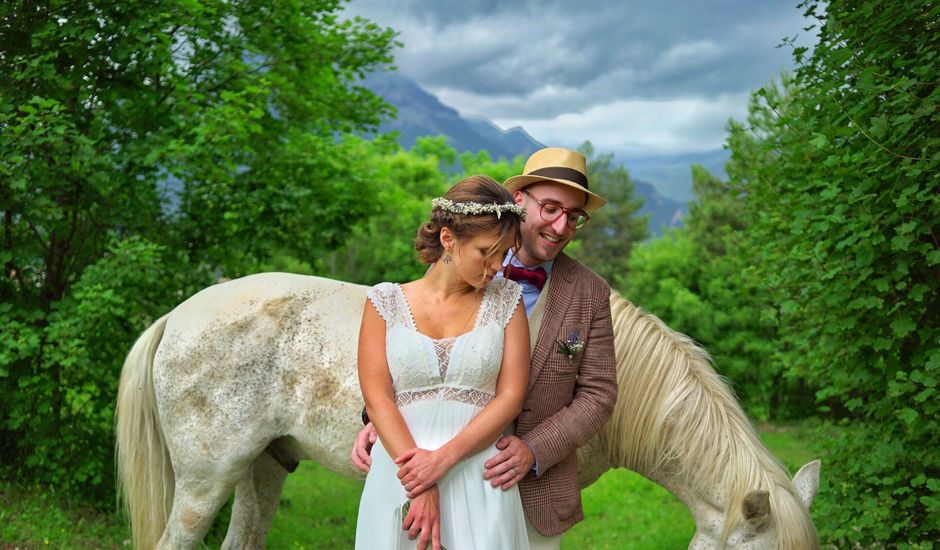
x=635 y=49
x=635 y=77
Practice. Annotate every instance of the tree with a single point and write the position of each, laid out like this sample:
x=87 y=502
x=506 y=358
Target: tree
x=482 y=163
x=842 y=179
x=697 y=279
x=605 y=242
x=380 y=246
x=146 y=147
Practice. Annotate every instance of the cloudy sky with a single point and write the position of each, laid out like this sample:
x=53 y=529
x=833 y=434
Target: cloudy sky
x=652 y=82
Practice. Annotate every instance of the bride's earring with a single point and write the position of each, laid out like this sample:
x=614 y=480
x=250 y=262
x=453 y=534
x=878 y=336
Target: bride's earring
x=447 y=259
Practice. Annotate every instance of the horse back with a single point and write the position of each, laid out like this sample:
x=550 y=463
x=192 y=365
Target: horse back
x=264 y=357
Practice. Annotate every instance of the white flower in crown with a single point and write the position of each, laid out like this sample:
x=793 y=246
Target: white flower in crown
x=478 y=208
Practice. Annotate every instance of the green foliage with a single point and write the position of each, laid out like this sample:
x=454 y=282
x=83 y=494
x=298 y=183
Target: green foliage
x=664 y=274
x=64 y=406
x=145 y=149
x=815 y=267
x=695 y=279
x=887 y=488
x=380 y=246
x=842 y=176
x=500 y=169
x=605 y=242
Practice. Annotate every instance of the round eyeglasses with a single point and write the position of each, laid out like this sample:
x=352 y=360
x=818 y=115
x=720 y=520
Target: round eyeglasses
x=550 y=211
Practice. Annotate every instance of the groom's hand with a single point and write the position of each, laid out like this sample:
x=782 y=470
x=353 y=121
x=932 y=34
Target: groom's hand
x=511 y=463
x=362 y=447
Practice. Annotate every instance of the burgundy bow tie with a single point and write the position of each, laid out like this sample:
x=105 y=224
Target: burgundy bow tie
x=535 y=276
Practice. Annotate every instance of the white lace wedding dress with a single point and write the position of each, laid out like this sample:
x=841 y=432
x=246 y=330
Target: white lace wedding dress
x=440 y=386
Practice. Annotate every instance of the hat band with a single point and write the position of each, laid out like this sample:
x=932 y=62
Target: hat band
x=561 y=172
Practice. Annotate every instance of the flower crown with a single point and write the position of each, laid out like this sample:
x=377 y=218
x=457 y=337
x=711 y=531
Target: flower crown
x=478 y=208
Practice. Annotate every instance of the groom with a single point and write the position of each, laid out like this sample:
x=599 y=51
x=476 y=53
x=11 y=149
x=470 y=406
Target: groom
x=572 y=377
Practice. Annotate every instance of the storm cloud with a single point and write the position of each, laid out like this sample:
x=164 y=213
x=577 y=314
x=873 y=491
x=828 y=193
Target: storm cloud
x=633 y=77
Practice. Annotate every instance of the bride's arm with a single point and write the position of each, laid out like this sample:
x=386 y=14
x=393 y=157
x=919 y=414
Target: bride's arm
x=420 y=469
x=376 y=384
x=423 y=519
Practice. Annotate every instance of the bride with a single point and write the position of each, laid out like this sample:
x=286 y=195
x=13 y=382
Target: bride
x=443 y=366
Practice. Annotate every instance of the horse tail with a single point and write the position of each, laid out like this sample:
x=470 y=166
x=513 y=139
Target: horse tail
x=144 y=472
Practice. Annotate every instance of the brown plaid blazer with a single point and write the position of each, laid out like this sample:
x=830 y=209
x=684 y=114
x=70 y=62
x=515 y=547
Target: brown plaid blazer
x=566 y=404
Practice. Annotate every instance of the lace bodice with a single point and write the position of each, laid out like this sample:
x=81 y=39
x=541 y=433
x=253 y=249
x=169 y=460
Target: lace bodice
x=461 y=368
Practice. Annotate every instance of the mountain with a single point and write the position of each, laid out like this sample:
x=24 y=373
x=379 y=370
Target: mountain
x=665 y=212
x=420 y=113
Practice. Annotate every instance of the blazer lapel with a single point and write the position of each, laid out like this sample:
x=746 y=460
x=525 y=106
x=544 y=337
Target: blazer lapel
x=556 y=304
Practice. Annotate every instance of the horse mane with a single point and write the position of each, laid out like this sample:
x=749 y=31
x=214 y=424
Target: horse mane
x=677 y=419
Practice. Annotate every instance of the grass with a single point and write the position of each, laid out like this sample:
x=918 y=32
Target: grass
x=318 y=511
x=625 y=510
x=37 y=517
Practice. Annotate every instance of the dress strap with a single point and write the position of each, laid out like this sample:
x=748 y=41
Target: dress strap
x=499 y=302
x=384 y=296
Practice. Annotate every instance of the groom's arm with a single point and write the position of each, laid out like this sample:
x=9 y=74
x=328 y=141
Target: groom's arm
x=594 y=394
x=592 y=398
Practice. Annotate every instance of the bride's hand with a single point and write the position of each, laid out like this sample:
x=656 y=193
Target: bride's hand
x=419 y=469
x=424 y=519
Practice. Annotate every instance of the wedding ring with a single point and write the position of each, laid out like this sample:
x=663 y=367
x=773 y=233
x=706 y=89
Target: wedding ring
x=513 y=470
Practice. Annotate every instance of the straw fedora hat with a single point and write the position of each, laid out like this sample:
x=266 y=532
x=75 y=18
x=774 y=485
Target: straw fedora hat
x=558 y=165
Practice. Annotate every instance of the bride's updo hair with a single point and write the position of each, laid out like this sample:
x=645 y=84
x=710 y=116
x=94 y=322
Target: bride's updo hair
x=476 y=189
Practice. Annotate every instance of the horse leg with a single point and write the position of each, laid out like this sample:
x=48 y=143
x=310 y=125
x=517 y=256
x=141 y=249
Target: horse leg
x=196 y=502
x=257 y=497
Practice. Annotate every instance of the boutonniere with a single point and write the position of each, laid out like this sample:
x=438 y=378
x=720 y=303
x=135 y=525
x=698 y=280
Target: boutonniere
x=570 y=346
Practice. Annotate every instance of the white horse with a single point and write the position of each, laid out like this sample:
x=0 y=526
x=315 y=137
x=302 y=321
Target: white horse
x=239 y=382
